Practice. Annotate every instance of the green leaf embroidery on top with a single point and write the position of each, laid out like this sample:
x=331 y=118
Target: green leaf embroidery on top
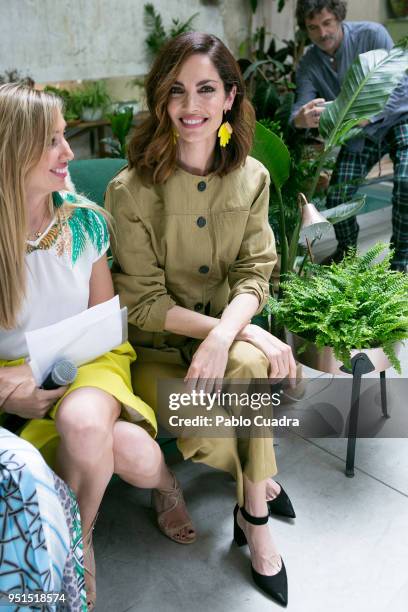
x=57 y=199
x=81 y=223
x=84 y=224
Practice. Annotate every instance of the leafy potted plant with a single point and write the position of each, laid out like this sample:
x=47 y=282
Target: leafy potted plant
x=93 y=100
x=121 y=122
x=334 y=311
x=72 y=106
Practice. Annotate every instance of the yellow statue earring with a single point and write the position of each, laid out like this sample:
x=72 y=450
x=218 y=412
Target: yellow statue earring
x=225 y=131
x=175 y=136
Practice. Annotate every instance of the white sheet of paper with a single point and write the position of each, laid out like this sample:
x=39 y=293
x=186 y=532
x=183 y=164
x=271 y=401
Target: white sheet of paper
x=79 y=339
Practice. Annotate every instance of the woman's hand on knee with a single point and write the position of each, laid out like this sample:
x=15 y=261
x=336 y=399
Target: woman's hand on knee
x=26 y=399
x=279 y=354
x=209 y=363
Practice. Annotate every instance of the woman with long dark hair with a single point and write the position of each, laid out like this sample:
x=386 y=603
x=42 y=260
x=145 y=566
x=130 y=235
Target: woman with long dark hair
x=193 y=257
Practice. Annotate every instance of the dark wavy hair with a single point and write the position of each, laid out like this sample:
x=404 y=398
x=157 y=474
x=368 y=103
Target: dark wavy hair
x=152 y=150
x=307 y=9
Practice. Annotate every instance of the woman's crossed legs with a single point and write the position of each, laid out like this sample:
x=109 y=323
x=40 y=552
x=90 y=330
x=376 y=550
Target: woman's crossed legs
x=95 y=444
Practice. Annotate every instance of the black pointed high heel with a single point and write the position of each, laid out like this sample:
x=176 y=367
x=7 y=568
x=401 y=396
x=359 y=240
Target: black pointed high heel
x=275 y=586
x=281 y=505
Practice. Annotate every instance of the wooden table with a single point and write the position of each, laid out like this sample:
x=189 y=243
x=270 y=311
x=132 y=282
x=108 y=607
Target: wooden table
x=96 y=130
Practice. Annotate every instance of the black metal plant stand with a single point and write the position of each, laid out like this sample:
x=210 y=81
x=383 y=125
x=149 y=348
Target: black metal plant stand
x=360 y=365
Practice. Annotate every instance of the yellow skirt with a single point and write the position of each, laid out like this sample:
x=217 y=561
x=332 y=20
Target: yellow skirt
x=111 y=373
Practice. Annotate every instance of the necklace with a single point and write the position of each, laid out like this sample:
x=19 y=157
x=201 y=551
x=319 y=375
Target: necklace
x=35 y=235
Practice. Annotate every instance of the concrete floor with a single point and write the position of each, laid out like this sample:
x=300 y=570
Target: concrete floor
x=346 y=550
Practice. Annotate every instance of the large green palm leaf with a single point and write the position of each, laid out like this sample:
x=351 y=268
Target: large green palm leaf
x=269 y=149
x=368 y=83
x=272 y=152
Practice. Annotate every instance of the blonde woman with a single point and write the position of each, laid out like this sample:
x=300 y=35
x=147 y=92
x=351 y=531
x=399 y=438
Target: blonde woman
x=193 y=258
x=53 y=265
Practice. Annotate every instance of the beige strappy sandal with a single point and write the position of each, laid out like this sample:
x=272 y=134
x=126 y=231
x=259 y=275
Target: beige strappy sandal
x=90 y=568
x=164 y=501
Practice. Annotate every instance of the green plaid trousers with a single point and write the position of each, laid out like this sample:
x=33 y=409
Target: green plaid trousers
x=351 y=169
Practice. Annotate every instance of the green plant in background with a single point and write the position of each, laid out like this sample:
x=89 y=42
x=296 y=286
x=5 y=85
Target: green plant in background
x=269 y=74
x=121 y=122
x=72 y=106
x=270 y=85
x=270 y=78
x=303 y=165
x=270 y=149
x=157 y=34
x=356 y=304
x=93 y=95
x=399 y=8
x=366 y=88
x=14 y=76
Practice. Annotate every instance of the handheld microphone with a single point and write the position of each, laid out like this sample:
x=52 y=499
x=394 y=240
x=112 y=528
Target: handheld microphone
x=63 y=373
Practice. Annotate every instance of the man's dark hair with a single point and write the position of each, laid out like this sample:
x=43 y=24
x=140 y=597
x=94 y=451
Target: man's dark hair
x=307 y=9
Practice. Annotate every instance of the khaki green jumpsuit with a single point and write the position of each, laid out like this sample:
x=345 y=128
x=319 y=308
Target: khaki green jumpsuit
x=196 y=242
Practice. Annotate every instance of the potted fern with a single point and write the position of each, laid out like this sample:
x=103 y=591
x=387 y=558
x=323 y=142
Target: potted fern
x=333 y=312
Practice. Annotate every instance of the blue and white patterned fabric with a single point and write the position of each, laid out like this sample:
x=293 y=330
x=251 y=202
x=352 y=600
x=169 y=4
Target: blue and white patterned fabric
x=40 y=546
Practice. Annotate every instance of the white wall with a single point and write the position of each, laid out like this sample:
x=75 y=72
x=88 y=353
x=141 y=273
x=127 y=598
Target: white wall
x=367 y=10
x=56 y=40
x=279 y=25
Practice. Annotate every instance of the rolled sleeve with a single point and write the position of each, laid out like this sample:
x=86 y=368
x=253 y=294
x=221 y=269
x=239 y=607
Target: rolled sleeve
x=251 y=271
x=305 y=91
x=137 y=276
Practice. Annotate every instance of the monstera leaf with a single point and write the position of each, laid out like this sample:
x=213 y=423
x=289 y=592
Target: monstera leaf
x=365 y=90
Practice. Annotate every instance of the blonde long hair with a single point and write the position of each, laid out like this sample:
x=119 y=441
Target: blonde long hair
x=27 y=123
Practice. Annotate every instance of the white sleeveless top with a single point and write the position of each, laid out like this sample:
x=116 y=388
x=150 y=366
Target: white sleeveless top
x=59 y=265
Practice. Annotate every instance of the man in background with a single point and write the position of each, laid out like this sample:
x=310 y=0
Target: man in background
x=335 y=45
